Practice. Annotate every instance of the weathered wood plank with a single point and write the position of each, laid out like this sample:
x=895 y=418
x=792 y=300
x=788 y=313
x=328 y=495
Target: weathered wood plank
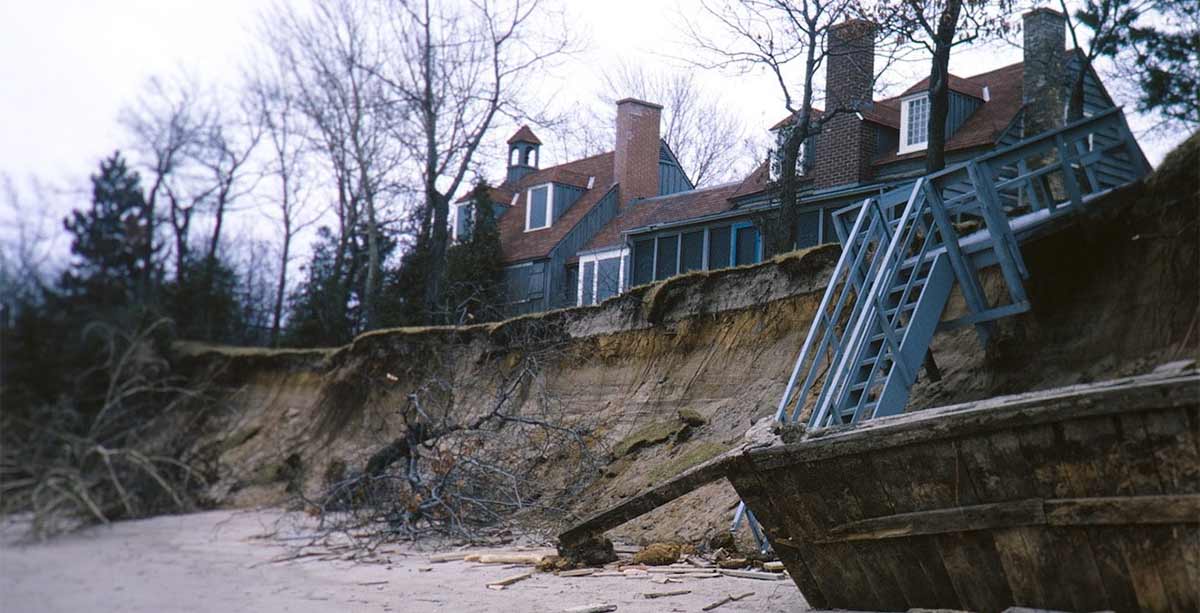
x=846 y=496
x=1066 y=512
x=941 y=521
x=1135 y=394
x=919 y=567
x=1116 y=510
x=835 y=564
x=974 y=566
x=795 y=552
x=1062 y=558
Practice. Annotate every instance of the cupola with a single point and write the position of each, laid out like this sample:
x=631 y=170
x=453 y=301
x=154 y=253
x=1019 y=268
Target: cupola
x=522 y=154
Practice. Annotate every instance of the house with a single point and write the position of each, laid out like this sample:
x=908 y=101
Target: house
x=581 y=232
x=547 y=215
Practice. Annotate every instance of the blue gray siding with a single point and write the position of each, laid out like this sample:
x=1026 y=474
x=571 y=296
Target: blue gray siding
x=961 y=107
x=558 y=294
x=564 y=197
x=525 y=285
x=671 y=177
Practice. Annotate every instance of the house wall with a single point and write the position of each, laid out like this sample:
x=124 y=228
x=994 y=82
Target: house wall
x=564 y=197
x=559 y=293
x=961 y=107
x=671 y=178
x=525 y=287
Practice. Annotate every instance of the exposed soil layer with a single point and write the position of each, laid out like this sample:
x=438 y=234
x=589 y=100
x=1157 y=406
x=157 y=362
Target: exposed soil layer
x=673 y=373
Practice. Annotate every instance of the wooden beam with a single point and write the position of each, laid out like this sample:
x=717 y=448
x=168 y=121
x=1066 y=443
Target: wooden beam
x=648 y=500
x=1120 y=396
x=1113 y=510
x=1118 y=510
x=961 y=519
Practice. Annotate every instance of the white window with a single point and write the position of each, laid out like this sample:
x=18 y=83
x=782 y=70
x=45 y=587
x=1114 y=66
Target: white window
x=914 y=121
x=601 y=276
x=461 y=221
x=539 y=206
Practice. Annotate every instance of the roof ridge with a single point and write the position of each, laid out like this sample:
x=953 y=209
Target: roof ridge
x=694 y=190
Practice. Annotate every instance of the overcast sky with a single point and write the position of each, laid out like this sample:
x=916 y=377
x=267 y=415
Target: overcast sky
x=68 y=66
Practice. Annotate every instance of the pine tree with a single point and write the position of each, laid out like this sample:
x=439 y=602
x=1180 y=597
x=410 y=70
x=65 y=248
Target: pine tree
x=108 y=242
x=474 y=272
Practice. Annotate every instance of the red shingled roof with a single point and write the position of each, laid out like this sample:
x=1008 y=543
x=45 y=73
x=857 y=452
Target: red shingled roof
x=1005 y=87
x=664 y=209
x=515 y=243
x=524 y=135
x=966 y=87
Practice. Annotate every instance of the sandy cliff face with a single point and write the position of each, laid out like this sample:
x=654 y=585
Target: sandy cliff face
x=669 y=375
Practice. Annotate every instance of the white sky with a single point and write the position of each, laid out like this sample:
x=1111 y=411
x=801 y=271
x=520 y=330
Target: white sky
x=68 y=66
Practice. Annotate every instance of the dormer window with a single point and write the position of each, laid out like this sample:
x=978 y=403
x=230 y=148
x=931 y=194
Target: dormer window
x=540 y=201
x=914 y=119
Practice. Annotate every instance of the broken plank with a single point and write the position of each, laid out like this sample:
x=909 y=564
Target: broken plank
x=507 y=581
x=726 y=600
x=665 y=594
x=512 y=557
x=750 y=574
x=581 y=572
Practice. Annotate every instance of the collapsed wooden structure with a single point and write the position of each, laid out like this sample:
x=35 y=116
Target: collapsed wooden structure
x=1078 y=499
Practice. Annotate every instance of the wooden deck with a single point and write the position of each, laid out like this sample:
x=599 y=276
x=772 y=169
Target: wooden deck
x=1081 y=498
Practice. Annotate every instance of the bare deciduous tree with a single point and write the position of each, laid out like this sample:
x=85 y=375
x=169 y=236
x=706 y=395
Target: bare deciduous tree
x=938 y=26
x=704 y=133
x=165 y=124
x=453 y=67
x=331 y=59
x=277 y=110
x=787 y=39
x=197 y=156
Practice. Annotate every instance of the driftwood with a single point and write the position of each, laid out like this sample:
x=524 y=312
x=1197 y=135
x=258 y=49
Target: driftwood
x=502 y=583
x=592 y=608
x=750 y=574
x=665 y=594
x=726 y=600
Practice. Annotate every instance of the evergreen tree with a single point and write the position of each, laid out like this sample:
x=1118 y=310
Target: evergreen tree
x=108 y=242
x=1157 y=45
x=322 y=310
x=203 y=302
x=474 y=272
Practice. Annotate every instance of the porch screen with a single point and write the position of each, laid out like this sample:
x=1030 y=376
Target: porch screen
x=691 y=255
x=718 y=248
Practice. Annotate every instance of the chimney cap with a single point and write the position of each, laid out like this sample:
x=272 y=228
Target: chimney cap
x=854 y=21
x=1042 y=9
x=524 y=135
x=639 y=102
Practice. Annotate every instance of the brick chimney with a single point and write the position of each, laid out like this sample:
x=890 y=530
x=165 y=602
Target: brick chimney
x=846 y=145
x=635 y=162
x=1045 y=78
